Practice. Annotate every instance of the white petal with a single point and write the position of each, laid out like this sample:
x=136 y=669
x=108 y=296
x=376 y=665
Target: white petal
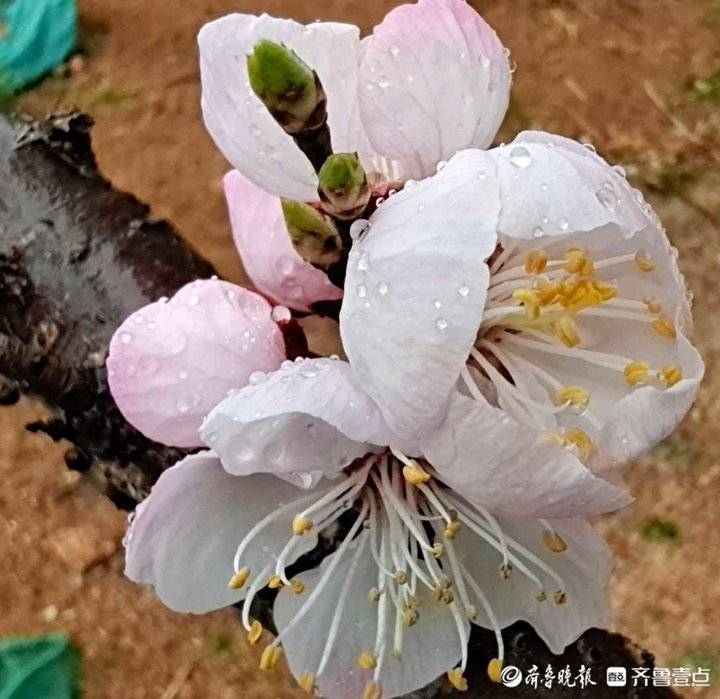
x=415 y=290
x=308 y=415
x=553 y=186
x=584 y=568
x=184 y=535
x=434 y=80
x=242 y=127
x=430 y=648
x=491 y=459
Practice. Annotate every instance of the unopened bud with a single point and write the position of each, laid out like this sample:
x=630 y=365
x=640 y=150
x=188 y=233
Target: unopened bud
x=287 y=86
x=344 y=189
x=313 y=234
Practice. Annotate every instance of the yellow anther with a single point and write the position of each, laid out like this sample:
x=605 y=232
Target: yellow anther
x=374 y=595
x=237 y=582
x=574 y=251
x=505 y=571
x=574 y=395
x=454 y=515
x=410 y=617
x=541 y=596
x=448 y=597
x=578 y=262
x=366 y=660
x=275 y=583
x=536 y=262
x=451 y=529
x=530 y=300
x=415 y=474
x=372 y=690
x=471 y=612
x=438 y=550
x=670 y=375
x=298 y=586
x=445 y=582
x=547 y=293
x=575 y=296
x=413 y=602
x=579 y=439
x=606 y=291
x=307 y=682
x=457 y=680
x=255 y=633
x=270 y=657
x=554 y=542
x=653 y=305
x=400 y=577
x=664 y=326
x=560 y=597
x=637 y=372
x=643 y=262
x=494 y=670
x=301 y=525
x=566 y=331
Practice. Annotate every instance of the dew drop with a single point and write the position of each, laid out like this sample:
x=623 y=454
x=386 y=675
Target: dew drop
x=382 y=288
x=520 y=157
x=482 y=176
x=464 y=291
x=361 y=291
x=126 y=338
x=182 y=375
x=437 y=303
x=441 y=324
x=410 y=184
x=359 y=227
x=281 y=314
x=538 y=232
x=563 y=223
x=440 y=165
x=362 y=263
x=257 y=377
x=394 y=50
x=379 y=201
x=590 y=147
x=544 y=186
x=383 y=83
x=193 y=300
x=182 y=406
x=607 y=198
x=484 y=62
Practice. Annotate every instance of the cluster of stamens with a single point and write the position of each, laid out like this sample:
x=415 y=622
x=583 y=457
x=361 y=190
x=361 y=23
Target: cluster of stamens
x=408 y=522
x=533 y=303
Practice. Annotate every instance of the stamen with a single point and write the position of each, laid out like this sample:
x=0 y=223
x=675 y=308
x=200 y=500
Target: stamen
x=566 y=330
x=573 y=395
x=298 y=586
x=536 y=262
x=457 y=680
x=671 y=375
x=301 y=525
x=494 y=670
x=554 y=542
x=581 y=440
x=270 y=657
x=307 y=682
x=636 y=373
x=367 y=661
x=652 y=305
x=255 y=633
x=372 y=690
x=664 y=326
x=275 y=582
x=643 y=262
x=237 y=582
x=530 y=300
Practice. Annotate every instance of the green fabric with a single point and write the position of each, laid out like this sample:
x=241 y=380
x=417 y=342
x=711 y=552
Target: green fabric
x=37 y=667
x=35 y=35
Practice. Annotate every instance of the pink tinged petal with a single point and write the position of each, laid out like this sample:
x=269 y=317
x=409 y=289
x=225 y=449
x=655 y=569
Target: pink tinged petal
x=311 y=415
x=430 y=647
x=434 y=80
x=171 y=362
x=183 y=537
x=242 y=127
x=267 y=252
x=584 y=568
x=553 y=186
x=481 y=452
x=415 y=290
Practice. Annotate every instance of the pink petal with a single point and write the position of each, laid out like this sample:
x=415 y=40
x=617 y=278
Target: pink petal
x=242 y=127
x=434 y=79
x=171 y=362
x=267 y=252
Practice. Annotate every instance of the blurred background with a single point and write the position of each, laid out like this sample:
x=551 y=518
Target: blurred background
x=640 y=79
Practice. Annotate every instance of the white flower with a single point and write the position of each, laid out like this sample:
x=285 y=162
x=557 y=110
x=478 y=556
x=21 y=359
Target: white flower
x=558 y=304
x=418 y=559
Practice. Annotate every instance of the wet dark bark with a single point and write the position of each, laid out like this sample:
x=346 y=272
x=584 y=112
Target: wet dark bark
x=77 y=257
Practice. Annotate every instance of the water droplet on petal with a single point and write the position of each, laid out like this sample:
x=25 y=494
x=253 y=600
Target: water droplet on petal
x=538 y=232
x=441 y=324
x=394 y=50
x=606 y=196
x=482 y=175
x=563 y=223
x=281 y=314
x=358 y=228
x=544 y=186
x=126 y=338
x=182 y=375
x=362 y=263
x=437 y=303
x=193 y=300
x=409 y=184
x=382 y=288
x=520 y=157
x=590 y=147
x=182 y=406
x=440 y=165
x=464 y=291
x=484 y=62
x=361 y=291
x=257 y=377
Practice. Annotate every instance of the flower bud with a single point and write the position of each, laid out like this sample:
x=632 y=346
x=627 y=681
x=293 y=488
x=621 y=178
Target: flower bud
x=287 y=86
x=313 y=234
x=344 y=189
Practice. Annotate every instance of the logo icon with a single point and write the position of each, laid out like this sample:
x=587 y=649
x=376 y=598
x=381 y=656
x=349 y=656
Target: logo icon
x=616 y=677
x=511 y=676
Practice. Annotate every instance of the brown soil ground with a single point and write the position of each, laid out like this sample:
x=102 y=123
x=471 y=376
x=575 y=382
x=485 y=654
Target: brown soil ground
x=619 y=73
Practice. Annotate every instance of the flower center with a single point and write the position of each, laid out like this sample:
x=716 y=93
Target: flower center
x=407 y=521
x=531 y=320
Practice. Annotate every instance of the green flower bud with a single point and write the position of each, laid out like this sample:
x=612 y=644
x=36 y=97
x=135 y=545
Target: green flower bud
x=287 y=86
x=344 y=189
x=313 y=234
